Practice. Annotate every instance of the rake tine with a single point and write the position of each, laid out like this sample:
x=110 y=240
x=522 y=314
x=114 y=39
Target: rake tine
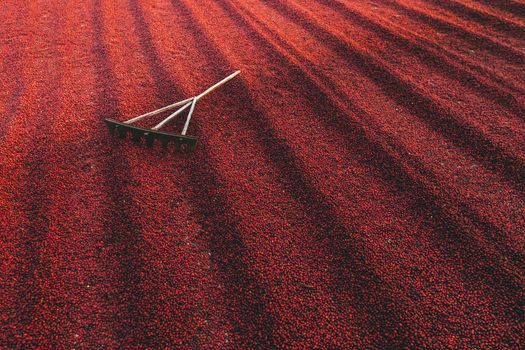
x=152 y=135
x=122 y=133
x=164 y=143
x=149 y=139
x=136 y=135
x=111 y=128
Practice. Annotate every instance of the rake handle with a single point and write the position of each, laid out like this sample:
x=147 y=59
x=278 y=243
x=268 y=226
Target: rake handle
x=220 y=83
x=192 y=101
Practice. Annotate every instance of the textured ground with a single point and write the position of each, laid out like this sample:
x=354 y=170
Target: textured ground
x=361 y=185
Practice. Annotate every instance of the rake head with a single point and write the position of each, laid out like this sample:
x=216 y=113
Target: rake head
x=181 y=142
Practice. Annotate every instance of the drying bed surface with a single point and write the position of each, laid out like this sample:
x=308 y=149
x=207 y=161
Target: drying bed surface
x=359 y=185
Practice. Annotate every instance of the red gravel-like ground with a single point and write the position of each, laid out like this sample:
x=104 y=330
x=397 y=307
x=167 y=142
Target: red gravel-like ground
x=360 y=185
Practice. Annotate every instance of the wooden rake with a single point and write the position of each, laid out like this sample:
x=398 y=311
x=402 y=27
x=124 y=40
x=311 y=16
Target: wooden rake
x=181 y=141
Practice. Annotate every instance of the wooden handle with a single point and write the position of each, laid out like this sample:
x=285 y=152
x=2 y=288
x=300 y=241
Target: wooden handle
x=220 y=83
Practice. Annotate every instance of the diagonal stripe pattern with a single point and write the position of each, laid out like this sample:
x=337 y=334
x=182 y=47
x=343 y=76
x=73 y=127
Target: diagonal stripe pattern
x=361 y=186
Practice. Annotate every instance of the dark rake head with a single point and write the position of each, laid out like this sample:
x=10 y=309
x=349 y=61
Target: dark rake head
x=137 y=134
x=181 y=141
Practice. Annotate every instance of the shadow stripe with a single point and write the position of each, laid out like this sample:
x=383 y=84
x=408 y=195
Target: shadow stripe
x=381 y=309
x=356 y=136
x=34 y=200
x=419 y=38
x=480 y=17
x=517 y=9
x=432 y=59
x=123 y=233
x=499 y=50
x=451 y=240
x=227 y=248
x=425 y=203
x=406 y=95
x=13 y=60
